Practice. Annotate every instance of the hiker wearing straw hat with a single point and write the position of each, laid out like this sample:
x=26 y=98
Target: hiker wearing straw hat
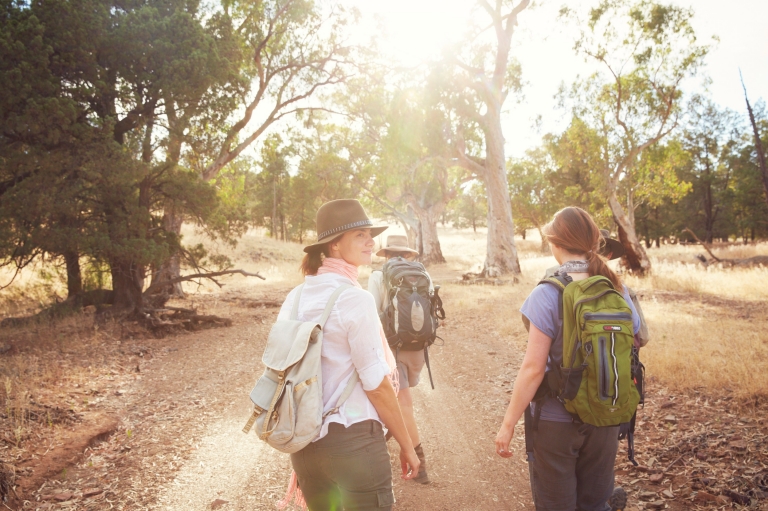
x=347 y=467
x=410 y=362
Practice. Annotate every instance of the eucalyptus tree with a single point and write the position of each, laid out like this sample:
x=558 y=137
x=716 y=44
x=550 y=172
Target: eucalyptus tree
x=481 y=77
x=643 y=51
x=750 y=210
x=531 y=183
x=759 y=151
x=401 y=155
x=469 y=208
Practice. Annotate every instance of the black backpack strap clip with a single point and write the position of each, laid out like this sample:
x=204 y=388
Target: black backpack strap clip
x=627 y=430
x=429 y=369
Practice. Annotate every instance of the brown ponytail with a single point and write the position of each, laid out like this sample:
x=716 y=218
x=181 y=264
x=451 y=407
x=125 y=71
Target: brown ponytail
x=312 y=261
x=574 y=230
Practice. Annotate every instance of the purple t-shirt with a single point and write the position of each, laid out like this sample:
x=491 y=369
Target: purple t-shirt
x=541 y=309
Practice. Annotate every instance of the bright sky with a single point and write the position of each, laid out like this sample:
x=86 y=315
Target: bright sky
x=417 y=29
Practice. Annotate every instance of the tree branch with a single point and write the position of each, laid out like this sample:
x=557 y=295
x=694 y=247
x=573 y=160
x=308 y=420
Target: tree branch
x=702 y=244
x=210 y=276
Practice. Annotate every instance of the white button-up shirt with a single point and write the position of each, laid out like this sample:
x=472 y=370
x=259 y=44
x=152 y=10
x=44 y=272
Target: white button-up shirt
x=351 y=341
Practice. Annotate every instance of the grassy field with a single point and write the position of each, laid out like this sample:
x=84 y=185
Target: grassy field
x=709 y=326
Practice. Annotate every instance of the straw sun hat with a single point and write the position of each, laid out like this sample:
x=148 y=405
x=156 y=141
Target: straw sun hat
x=336 y=217
x=396 y=243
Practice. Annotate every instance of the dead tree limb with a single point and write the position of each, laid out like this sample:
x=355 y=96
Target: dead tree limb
x=702 y=244
x=759 y=260
x=210 y=276
x=758 y=143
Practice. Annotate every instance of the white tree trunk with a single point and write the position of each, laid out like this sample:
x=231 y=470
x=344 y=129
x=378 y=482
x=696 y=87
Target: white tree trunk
x=431 y=253
x=501 y=254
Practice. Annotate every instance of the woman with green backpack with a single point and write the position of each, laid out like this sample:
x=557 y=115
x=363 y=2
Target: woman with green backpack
x=571 y=452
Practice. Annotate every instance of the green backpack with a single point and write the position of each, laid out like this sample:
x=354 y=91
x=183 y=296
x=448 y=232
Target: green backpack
x=597 y=374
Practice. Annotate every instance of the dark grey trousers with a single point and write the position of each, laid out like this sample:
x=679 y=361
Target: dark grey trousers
x=573 y=466
x=346 y=469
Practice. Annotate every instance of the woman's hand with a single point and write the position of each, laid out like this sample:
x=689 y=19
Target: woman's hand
x=503 y=439
x=384 y=400
x=529 y=377
x=409 y=463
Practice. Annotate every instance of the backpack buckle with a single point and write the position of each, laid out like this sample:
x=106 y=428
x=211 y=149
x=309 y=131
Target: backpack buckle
x=257 y=410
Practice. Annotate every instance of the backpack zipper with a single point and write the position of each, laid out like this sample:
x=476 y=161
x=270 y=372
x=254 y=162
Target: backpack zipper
x=607 y=316
x=602 y=363
x=615 y=369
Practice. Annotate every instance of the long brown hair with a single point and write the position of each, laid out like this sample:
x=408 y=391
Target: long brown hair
x=574 y=230
x=313 y=260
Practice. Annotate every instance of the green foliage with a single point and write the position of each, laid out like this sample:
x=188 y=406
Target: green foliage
x=469 y=208
x=78 y=176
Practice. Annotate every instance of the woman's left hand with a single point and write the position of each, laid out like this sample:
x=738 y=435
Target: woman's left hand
x=503 y=439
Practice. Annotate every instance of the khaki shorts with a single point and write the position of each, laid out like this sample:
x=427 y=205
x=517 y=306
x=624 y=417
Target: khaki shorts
x=409 y=366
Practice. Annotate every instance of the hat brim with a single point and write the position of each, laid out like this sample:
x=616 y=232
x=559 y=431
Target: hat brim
x=382 y=251
x=375 y=231
x=614 y=247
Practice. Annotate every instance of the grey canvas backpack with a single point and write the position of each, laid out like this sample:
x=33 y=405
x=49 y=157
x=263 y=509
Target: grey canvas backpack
x=288 y=398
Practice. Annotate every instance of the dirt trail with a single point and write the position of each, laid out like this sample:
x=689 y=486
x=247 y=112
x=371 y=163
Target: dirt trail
x=180 y=444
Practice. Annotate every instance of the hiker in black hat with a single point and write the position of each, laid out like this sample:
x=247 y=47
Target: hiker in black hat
x=409 y=363
x=347 y=467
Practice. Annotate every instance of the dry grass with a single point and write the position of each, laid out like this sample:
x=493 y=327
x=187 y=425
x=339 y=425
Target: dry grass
x=720 y=346
x=738 y=283
x=34 y=288
x=709 y=326
x=40 y=363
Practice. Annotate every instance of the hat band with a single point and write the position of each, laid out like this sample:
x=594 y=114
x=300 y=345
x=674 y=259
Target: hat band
x=345 y=227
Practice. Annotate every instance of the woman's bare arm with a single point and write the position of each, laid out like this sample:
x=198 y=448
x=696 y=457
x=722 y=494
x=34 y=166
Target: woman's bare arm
x=527 y=382
x=384 y=400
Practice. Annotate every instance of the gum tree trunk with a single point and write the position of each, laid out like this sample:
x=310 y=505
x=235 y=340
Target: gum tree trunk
x=431 y=253
x=492 y=90
x=501 y=256
x=635 y=256
x=171 y=268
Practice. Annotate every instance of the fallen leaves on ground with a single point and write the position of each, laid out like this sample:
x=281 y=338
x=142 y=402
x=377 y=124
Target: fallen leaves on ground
x=696 y=451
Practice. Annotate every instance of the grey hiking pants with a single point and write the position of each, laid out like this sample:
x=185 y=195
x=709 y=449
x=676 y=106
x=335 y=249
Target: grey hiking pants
x=348 y=469
x=573 y=466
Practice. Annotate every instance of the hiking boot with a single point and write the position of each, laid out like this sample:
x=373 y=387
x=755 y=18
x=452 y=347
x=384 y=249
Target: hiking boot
x=618 y=500
x=422 y=476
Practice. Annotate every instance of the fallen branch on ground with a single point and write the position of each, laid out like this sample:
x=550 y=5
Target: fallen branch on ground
x=741 y=263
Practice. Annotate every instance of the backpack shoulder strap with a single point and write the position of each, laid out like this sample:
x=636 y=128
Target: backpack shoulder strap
x=331 y=302
x=559 y=282
x=295 y=309
x=355 y=376
x=345 y=394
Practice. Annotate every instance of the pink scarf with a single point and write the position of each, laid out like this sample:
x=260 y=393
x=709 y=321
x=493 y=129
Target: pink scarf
x=343 y=268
